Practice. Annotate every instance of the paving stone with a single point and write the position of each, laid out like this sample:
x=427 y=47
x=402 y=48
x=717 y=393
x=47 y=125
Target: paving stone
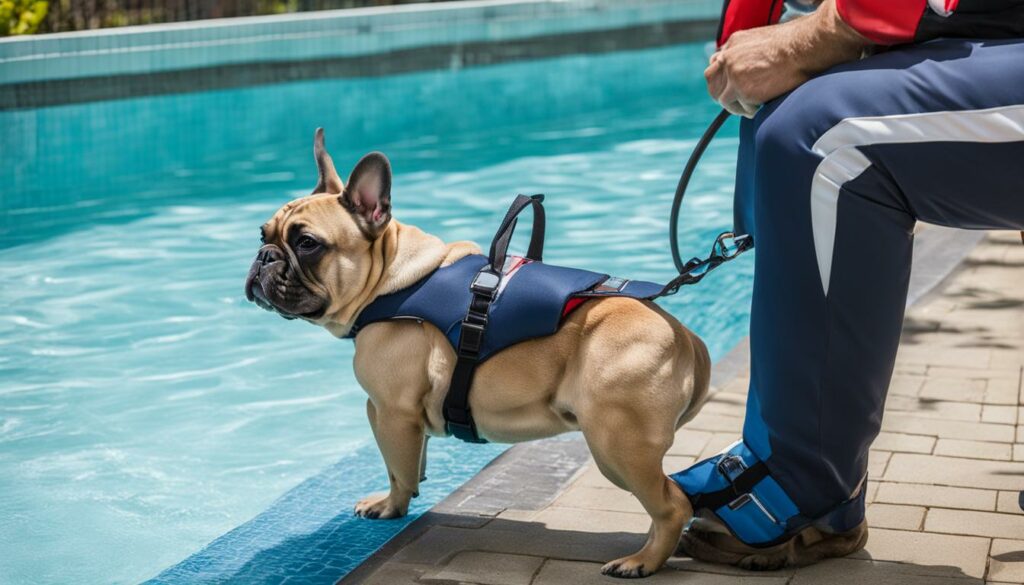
x=592 y=477
x=897 y=517
x=689 y=442
x=673 y=463
x=974 y=449
x=737 y=386
x=686 y=565
x=906 y=384
x=717 y=444
x=1002 y=414
x=592 y=498
x=877 y=462
x=851 y=571
x=557 y=572
x=517 y=515
x=903 y=443
x=1008 y=503
x=1002 y=392
x=1007 y=562
x=936 y=496
x=722 y=404
x=394 y=573
x=991 y=524
x=487 y=568
x=953 y=555
x=716 y=423
x=954 y=389
x=908 y=369
x=945 y=356
x=593 y=520
x=929 y=408
x=872 y=492
x=1018 y=452
x=972 y=374
x=902 y=422
x=976 y=473
x=1007 y=358
x=441 y=543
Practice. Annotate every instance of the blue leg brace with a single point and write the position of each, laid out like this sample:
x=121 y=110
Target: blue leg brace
x=831 y=180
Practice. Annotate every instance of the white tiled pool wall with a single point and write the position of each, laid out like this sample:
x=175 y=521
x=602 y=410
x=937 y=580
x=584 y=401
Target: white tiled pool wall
x=324 y=35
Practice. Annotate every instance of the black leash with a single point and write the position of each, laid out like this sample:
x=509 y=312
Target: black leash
x=727 y=245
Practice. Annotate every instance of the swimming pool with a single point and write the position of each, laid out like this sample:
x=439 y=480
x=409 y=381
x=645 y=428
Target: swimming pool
x=146 y=409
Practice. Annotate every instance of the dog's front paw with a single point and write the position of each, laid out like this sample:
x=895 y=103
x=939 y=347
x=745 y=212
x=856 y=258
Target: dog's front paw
x=631 y=567
x=379 y=507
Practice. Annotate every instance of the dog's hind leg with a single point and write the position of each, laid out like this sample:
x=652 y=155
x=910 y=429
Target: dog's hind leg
x=629 y=453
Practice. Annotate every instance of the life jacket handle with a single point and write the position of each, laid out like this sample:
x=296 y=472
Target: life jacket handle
x=502 y=238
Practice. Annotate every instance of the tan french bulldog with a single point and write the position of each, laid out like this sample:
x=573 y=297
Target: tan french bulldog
x=624 y=372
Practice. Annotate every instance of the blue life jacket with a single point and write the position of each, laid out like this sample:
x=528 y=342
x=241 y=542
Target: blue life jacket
x=531 y=301
x=484 y=304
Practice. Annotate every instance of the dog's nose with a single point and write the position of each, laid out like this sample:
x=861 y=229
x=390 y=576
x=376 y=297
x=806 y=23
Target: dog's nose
x=267 y=254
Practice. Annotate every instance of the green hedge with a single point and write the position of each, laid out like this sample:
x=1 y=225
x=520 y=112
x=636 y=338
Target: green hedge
x=30 y=16
x=21 y=17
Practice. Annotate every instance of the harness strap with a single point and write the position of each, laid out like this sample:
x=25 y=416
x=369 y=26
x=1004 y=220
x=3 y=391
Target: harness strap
x=457 y=414
x=499 y=245
x=740 y=485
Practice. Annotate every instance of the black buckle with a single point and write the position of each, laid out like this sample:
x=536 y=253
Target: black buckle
x=485 y=283
x=471 y=338
x=731 y=467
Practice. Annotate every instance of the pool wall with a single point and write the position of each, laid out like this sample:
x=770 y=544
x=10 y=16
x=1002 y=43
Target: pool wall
x=124 y=62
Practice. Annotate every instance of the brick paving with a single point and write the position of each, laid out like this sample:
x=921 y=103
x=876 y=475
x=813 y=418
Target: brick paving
x=945 y=472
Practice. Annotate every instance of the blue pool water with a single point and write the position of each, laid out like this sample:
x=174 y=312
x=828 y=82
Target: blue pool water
x=146 y=409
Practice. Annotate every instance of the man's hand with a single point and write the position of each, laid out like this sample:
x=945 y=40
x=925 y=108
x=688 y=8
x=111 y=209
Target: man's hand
x=759 y=64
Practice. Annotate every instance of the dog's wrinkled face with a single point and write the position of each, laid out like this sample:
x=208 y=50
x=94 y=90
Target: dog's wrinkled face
x=316 y=250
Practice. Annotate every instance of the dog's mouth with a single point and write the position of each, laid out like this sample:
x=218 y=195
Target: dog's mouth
x=256 y=285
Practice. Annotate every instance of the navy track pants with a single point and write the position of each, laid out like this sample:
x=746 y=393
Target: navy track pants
x=832 y=178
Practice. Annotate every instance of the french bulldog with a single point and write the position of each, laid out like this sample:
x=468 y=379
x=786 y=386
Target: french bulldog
x=623 y=371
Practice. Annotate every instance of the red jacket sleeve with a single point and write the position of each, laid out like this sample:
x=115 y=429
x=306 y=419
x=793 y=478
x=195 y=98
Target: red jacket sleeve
x=886 y=22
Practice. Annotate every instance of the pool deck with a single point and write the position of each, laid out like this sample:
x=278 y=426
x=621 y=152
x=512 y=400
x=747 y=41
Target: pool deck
x=942 y=499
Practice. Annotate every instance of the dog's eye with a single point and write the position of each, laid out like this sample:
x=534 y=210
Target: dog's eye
x=307 y=243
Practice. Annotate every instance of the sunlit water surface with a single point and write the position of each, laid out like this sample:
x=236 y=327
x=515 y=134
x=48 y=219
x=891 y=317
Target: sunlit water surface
x=146 y=408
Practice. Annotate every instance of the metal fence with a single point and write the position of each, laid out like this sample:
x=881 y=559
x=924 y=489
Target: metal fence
x=70 y=15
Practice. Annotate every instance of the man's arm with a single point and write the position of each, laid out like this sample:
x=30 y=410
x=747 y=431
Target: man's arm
x=759 y=64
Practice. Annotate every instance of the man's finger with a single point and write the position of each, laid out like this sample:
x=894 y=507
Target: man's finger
x=736 y=108
x=715 y=77
x=748 y=109
x=728 y=97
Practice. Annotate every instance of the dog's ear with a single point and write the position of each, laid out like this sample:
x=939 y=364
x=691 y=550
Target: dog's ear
x=329 y=181
x=368 y=194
